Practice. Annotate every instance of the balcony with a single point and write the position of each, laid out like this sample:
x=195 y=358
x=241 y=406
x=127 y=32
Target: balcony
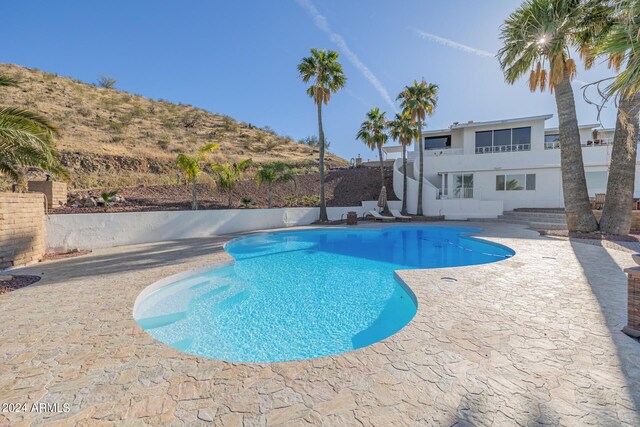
x=443 y=151
x=554 y=145
x=503 y=148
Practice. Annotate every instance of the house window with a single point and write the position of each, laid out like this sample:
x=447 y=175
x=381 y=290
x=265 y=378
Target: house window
x=437 y=142
x=463 y=186
x=516 y=182
x=503 y=140
x=551 y=141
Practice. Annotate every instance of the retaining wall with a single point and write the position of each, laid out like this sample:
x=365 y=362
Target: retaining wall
x=100 y=230
x=22 y=230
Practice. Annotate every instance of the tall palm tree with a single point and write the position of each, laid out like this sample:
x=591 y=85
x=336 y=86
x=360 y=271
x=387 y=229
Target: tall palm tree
x=27 y=139
x=539 y=34
x=191 y=166
x=612 y=30
x=227 y=176
x=273 y=173
x=325 y=73
x=372 y=133
x=403 y=130
x=419 y=100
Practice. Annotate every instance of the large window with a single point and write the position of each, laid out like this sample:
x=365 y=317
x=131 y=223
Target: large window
x=463 y=186
x=503 y=140
x=436 y=142
x=516 y=182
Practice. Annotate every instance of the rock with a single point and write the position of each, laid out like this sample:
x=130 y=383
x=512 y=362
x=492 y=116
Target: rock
x=89 y=202
x=4 y=278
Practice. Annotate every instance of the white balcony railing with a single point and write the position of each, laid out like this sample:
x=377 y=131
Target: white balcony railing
x=503 y=148
x=555 y=145
x=443 y=151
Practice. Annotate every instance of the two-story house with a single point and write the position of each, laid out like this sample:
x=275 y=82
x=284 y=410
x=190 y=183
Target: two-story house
x=480 y=169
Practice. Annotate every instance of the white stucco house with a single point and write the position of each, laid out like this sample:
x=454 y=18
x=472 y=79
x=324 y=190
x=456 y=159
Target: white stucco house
x=481 y=169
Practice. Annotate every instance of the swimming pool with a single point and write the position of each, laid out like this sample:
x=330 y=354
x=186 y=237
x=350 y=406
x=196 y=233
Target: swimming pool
x=301 y=294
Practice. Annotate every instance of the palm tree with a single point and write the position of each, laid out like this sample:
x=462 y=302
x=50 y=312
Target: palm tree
x=274 y=173
x=191 y=166
x=403 y=130
x=27 y=139
x=613 y=31
x=372 y=133
x=227 y=176
x=418 y=101
x=539 y=34
x=325 y=73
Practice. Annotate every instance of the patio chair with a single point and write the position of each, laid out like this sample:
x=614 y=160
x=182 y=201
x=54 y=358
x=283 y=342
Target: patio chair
x=397 y=215
x=598 y=203
x=379 y=217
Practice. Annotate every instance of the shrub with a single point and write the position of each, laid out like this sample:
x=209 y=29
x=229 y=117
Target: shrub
x=164 y=144
x=311 y=201
x=106 y=81
x=245 y=202
x=290 y=200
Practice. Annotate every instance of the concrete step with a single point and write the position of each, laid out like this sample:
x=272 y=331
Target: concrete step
x=535 y=216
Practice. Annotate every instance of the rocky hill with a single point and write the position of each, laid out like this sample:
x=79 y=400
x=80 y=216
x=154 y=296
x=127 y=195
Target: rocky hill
x=114 y=138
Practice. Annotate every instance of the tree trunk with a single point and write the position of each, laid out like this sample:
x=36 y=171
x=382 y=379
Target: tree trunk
x=381 y=167
x=323 y=203
x=616 y=215
x=386 y=206
x=229 y=197
x=194 y=198
x=574 y=185
x=269 y=195
x=404 y=180
x=421 y=174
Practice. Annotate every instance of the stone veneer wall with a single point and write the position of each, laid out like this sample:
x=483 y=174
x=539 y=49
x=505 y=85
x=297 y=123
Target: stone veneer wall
x=22 y=232
x=56 y=192
x=635 y=219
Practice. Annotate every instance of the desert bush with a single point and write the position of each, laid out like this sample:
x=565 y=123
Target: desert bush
x=190 y=120
x=311 y=201
x=163 y=143
x=314 y=142
x=229 y=125
x=106 y=81
x=83 y=111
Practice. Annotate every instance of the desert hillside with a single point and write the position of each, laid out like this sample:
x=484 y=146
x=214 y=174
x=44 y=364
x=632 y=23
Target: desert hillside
x=114 y=138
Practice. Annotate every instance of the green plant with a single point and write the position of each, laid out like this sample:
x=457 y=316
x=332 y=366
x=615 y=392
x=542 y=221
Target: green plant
x=325 y=73
x=372 y=132
x=191 y=166
x=27 y=139
x=106 y=197
x=245 y=202
x=273 y=173
x=403 y=130
x=227 y=176
x=311 y=201
x=290 y=200
x=418 y=101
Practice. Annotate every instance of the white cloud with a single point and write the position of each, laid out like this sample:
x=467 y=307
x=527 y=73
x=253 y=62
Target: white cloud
x=322 y=23
x=451 y=43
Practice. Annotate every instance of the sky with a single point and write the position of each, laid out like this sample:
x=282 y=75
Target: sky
x=239 y=58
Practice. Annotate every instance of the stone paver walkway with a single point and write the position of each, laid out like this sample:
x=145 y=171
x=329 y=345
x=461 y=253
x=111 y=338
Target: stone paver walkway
x=531 y=340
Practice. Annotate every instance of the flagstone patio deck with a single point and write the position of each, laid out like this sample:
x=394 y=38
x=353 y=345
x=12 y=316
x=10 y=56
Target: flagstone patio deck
x=530 y=340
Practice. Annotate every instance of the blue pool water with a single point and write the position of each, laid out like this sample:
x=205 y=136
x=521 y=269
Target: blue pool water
x=303 y=294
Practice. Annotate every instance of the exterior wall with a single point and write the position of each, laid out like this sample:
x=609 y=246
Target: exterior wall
x=100 y=230
x=55 y=192
x=22 y=231
x=462 y=158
